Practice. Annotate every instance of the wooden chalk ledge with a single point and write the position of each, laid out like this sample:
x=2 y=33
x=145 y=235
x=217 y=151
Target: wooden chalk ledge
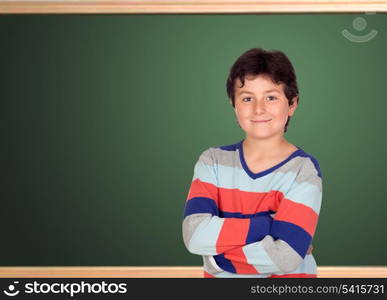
x=168 y=272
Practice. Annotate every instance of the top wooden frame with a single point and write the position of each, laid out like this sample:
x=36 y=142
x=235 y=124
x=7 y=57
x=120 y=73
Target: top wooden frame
x=190 y=6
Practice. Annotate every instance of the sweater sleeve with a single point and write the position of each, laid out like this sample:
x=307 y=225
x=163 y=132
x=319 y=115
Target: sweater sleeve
x=291 y=233
x=205 y=232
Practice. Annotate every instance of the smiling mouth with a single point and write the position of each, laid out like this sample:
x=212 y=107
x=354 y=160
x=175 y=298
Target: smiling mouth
x=258 y=121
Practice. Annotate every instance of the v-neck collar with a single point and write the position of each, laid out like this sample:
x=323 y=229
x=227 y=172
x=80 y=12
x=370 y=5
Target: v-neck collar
x=263 y=173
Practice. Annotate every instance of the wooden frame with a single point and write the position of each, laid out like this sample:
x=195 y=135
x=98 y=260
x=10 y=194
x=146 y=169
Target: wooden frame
x=190 y=6
x=168 y=272
x=181 y=7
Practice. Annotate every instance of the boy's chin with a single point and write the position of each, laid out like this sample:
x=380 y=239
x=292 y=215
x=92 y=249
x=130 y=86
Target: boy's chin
x=262 y=135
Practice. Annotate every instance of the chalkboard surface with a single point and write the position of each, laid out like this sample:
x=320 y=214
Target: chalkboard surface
x=104 y=116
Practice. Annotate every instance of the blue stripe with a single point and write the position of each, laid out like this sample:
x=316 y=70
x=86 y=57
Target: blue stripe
x=259 y=228
x=225 y=214
x=232 y=147
x=224 y=263
x=294 y=235
x=200 y=205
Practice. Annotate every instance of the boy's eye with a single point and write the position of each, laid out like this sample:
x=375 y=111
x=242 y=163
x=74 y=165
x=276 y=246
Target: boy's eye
x=245 y=99
x=271 y=98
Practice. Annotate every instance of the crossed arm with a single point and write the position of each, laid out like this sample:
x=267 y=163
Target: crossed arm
x=259 y=244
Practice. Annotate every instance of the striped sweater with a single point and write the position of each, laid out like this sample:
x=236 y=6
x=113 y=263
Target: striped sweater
x=253 y=225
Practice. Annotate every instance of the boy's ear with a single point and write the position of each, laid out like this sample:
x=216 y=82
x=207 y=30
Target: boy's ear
x=293 y=107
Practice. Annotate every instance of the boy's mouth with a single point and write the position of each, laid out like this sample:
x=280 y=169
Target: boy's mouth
x=260 y=121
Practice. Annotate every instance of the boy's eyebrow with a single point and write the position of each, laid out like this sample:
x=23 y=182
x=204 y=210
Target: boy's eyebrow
x=267 y=91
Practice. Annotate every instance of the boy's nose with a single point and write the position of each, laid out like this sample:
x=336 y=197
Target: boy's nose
x=259 y=106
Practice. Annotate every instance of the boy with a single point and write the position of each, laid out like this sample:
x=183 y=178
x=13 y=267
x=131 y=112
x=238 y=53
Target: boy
x=253 y=206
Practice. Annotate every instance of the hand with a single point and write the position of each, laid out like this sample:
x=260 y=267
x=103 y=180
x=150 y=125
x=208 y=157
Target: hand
x=310 y=249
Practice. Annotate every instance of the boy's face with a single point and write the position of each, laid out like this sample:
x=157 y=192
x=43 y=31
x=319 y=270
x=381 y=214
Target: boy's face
x=260 y=99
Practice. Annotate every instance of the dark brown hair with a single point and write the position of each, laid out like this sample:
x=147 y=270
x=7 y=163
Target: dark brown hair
x=257 y=61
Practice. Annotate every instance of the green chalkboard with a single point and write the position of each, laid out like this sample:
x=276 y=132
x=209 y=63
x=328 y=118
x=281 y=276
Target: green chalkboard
x=104 y=116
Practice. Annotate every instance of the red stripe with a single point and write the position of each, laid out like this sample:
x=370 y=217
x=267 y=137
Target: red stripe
x=208 y=275
x=233 y=234
x=298 y=214
x=239 y=261
x=234 y=200
x=301 y=275
x=203 y=189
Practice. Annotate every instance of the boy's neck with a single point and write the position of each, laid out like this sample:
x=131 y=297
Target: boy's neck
x=262 y=149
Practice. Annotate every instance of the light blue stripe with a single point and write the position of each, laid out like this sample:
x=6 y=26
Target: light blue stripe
x=308 y=266
x=236 y=178
x=203 y=241
x=204 y=173
x=306 y=194
x=257 y=256
x=226 y=274
x=232 y=178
